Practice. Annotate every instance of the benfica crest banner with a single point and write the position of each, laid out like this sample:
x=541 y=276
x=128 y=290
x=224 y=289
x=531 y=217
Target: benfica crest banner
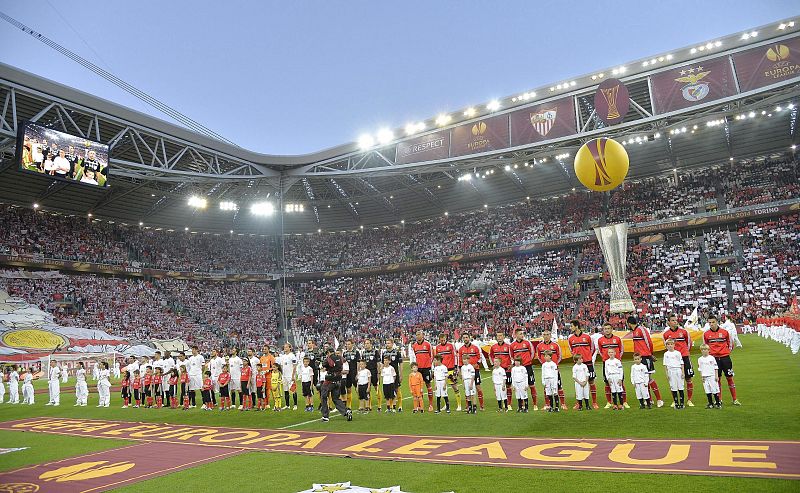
x=693 y=84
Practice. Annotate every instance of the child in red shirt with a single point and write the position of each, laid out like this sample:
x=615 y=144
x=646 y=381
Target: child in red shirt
x=206 y=392
x=185 y=389
x=245 y=381
x=137 y=385
x=224 y=380
x=173 y=387
x=147 y=385
x=261 y=378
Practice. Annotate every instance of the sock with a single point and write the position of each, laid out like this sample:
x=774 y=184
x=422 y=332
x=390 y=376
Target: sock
x=732 y=387
x=294 y=398
x=689 y=389
x=500 y=405
x=552 y=400
x=586 y=401
x=186 y=401
x=675 y=396
x=508 y=399
x=680 y=393
x=399 y=398
x=158 y=402
x=526 y=403
x=561 y=398
x=350 y=400
x=438 y=403
x=654 y=388
x=710 y=401
x=593 y=392
x=641 y=401
x=446 y=402
x=458 y=396
x=519 y=403
x=480 y=397
x=608 y=393
x=430 y=397
x=380 y=397
x=716 y=398
x=534 y=395
x=286 y=397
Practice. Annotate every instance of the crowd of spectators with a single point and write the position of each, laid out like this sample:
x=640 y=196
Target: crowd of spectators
x=718 y=244
x=85 y=239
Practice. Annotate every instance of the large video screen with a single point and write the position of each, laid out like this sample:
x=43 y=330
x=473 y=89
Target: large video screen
x=61 y=155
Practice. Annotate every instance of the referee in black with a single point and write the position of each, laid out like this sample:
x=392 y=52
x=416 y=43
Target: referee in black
x=332 y=386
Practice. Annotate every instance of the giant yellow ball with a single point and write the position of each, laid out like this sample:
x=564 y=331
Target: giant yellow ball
x=601 y=164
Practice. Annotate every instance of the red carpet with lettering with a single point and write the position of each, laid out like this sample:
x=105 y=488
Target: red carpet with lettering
x=103 y=471
x=765 y=459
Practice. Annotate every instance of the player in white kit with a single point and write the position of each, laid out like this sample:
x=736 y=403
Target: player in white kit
x=235 y=369
x=81 y=388
x=708 y=368
x=673 y=361
x=54 y=384
x=499 y=382
x=27 y=387
x=13 y=386
x=640 y=379
x=288 y=363
x=103 y=385
x=519 y=380
x=580 y=375
x=614 y=373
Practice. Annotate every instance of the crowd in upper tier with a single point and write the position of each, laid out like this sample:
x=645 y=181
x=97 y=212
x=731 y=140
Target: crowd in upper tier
x=691 y=192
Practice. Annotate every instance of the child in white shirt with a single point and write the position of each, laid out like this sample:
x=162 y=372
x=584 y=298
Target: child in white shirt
x=388 y=376
x=27 y=387
x=519 y=380
x=673 y=361
x=499 y=382
x=468 y=377
x=707 y=366
x=2 y=386
x=641 y=379
x=440 y=376
x=13 y=386
x=550 y=379
x=306 y=379
x=614 y=373
x=362 y=381
x=580 y=374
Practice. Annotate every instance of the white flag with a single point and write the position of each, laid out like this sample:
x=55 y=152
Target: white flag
x=335 y=343
x=555 y=329
x=693 y=319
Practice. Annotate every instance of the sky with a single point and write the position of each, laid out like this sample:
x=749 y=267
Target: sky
x=295 y=76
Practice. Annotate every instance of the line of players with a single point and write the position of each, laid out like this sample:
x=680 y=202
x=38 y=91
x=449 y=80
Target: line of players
x=64 y=162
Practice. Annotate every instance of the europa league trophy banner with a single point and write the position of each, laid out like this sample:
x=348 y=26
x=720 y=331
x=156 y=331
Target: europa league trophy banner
x=614 y=244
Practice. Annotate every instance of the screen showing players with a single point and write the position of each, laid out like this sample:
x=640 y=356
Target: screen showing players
x=63 y=156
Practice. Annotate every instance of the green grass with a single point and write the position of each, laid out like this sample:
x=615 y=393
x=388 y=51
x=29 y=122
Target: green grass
x=766 y=384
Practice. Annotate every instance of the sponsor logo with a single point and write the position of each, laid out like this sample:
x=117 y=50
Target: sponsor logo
x=86 y=470
x=33 y=339
x=18 y=488
x=424 y=146
x=479 y=142
x=479 y=129
x=783 y=67
x=544 y=120
x=610 y=95
x=694 y=90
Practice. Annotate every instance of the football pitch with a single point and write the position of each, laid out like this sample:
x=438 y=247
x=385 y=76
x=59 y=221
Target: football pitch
x=765 y=378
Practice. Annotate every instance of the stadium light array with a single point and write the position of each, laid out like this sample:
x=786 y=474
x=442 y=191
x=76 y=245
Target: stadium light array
x=141 y=223
x=493 y=105
x=262 y=209
x=470 y=112
x=385 y=136
x=465 y=177
x=228 y=206
x=36 y=206
x=294 y=208
x=751 y=34
x=783 y=26
x=365 y=141
x=443 y=119
x=197 y=202
x=413 y=128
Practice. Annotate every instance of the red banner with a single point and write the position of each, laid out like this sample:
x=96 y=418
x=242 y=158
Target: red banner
x=768 y=64
x=543 y=122
x=426 y=148
x=692 y=84
x=489 y=134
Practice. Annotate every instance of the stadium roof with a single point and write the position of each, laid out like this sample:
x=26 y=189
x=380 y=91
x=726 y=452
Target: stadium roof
x=157 y=166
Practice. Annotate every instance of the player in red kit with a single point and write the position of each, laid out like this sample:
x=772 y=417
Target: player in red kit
x=643 y=344
x=720 y=346
x=609 y=341
x=502 y=350
x=447 y=351
x=581 y=343
x=523 y=349
x=548 y=345
x=683 y=343
x=423 y=356
x=470 y=352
